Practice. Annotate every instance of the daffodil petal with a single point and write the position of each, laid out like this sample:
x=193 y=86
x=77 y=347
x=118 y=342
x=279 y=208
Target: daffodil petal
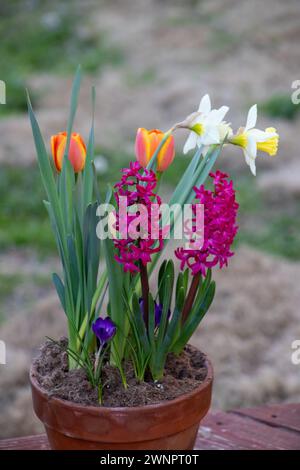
x=220 y=113
x=225 y=131
x=247 y=157
x=252 y=166
x=205 y=105
x=251 y=118
x=251 y=148
x=250 y=162
x=211 y=136
x=261 y=136
x=190 y=143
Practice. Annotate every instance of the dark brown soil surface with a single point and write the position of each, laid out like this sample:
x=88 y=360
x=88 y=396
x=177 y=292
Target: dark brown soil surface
x=182 y=374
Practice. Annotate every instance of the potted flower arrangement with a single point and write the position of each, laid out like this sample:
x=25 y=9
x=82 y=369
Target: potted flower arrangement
x=125 y=377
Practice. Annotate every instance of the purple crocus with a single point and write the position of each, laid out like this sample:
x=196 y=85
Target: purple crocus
x=104 y=329
x=158 y=309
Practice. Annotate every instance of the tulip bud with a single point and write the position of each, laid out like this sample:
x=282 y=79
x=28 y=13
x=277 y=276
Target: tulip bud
x=146 y=144
x=77 y=150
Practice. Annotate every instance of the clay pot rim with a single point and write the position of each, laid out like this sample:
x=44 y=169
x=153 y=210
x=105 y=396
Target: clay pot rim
x=124 y=409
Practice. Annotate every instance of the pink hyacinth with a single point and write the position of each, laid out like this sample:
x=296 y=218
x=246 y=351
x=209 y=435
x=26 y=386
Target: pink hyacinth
x=220 y=228
x=137 y=185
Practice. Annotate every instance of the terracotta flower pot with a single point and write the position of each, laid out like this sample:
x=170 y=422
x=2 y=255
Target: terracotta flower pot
x=169 y=425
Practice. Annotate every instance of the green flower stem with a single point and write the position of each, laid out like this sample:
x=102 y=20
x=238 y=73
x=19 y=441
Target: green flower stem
x=190 y=298
x=145 y=292
x=97 y=359
x=73 y=363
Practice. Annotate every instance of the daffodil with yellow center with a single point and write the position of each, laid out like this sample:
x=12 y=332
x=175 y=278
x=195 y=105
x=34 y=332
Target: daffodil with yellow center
x=198 y=128
x=251 y=140
x=204 y=125
x=270 y=145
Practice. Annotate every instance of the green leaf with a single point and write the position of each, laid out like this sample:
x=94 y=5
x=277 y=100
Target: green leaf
x=173 y=331
x=73 y=108
x=67 y=177
x=180 y=297
x=88 y=173
x=167 y=297
x=161 y=276
x=66 y=182
x=194 y=319
x=186 y=279
x=202 y=173
x=151 y=324
x=99 y=290
x=47 y=176
x=78 y=241
x=92 y=254
x=60 y=289
x=114 y=275
x=140 y=324
x=138 y=341
x=187 y=177
x=73 y=267
x=181 y=286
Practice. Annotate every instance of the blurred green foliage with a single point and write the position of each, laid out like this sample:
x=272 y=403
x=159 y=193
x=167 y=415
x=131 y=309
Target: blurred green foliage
x=46 y=36
x=280 y=106
x=23 y=221
x=268 y=225
x=16 y=289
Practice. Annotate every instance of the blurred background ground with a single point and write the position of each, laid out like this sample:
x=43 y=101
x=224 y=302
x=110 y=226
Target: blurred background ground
x=151 y=61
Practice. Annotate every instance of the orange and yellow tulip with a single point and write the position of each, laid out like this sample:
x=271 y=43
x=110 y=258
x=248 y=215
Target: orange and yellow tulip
x=147 y=142
x=77 y=150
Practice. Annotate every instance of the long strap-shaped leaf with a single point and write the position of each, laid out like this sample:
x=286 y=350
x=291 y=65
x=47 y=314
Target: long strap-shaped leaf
x=47 y=175
x=66 y=177
x=115 y=282
x=185 y=181
x=73 y=108
x=88 y=173
x=195 y=318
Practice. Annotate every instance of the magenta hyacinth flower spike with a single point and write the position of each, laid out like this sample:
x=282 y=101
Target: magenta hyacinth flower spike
x=220 y=228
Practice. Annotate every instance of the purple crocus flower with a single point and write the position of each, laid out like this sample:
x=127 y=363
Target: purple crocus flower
x=158 y=309
x=104 y=329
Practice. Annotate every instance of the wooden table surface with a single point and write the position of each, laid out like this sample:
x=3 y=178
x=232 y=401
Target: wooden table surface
x=267 y=427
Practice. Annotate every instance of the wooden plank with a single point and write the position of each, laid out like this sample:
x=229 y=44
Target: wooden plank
x=210 y=436
x=285 y=416
x=232 y=431
x=39 y=442
x=238 y=429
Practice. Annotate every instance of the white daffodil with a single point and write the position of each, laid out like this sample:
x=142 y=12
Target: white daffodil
x=206 y=125
x=251 y=140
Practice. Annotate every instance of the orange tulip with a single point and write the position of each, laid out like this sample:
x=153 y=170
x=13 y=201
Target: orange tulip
x=77 y=150
x=147 y=142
